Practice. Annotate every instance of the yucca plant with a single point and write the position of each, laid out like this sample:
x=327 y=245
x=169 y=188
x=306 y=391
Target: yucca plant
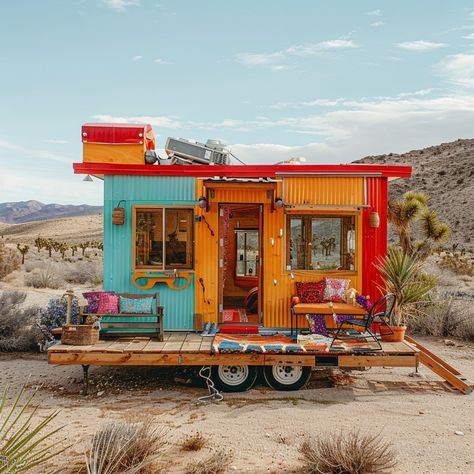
x=23 y=443
x=124 y=448
x=404 y=277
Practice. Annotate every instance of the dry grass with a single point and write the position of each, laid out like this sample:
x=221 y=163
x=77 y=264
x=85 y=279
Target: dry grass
x=9 y=260
x=348 y=453
x=445 y=317
x=193 y=442
x=216 y=463
x=45 y=277
x=459 y=264
x=124 y=448
x=18 y=329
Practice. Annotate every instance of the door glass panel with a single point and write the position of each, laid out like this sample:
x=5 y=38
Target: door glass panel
x=246 y=252
x=149 y=238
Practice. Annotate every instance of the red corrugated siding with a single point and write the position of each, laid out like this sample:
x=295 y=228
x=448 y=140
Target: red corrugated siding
x=374 y=240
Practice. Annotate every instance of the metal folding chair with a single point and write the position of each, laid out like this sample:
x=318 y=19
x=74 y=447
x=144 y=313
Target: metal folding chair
x=378 y=314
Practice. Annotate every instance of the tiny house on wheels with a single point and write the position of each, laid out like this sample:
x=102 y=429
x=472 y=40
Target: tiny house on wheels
x=226 y=243
x=222 y=249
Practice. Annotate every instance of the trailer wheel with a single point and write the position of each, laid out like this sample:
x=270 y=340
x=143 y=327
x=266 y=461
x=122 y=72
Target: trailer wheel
x=234 y=378
x=286 y=377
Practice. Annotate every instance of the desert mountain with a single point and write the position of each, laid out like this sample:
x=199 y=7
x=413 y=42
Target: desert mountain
x=27 y=211
x=446 y=174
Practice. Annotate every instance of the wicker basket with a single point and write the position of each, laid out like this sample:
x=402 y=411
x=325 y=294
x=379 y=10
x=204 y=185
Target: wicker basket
x=80 y=334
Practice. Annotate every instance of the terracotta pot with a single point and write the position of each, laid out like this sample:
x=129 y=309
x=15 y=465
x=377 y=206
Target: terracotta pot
x=398 y=333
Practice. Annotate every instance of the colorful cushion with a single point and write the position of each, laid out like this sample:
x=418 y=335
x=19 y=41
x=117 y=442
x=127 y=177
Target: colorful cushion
x=92 y=298
x=335 y=289
x=108 y=304
x=136 y=305
x=311 y=292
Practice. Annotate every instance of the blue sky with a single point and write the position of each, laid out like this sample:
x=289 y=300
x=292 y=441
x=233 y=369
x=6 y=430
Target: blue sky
x=328 y=80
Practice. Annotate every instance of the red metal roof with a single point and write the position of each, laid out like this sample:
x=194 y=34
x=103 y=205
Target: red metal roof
x=241 y=171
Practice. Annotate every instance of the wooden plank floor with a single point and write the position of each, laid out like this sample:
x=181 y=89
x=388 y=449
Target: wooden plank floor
x=193 y=349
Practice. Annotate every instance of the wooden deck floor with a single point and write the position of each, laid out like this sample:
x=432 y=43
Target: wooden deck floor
x=193 y=349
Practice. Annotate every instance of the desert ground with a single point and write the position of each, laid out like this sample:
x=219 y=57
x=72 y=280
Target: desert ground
x=429 y=424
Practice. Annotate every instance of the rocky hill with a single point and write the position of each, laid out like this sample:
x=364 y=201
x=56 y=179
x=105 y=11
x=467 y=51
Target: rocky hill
x=27 y=211
x=446 y=174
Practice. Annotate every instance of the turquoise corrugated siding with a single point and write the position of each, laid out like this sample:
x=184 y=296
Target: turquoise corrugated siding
x=144 y=190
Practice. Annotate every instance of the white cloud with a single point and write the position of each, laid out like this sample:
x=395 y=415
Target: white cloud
x=160 y=61
x=158 y=121
x=420 y=46
x=375 y=13
x=32 y=153
x=369 y=127
x=18 y=186
x=137 y=58
x=376 y=24
x=274 y=60
x=469 y=37
x=458 y=69
x=120 y=5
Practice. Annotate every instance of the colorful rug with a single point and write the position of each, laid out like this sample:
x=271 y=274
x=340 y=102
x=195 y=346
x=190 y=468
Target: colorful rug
x=279 y=344
x=229 y=343
x=238 y=315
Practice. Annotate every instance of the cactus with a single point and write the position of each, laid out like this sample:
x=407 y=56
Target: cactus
x=83 y=246
x=39 y=243
x=73 y=249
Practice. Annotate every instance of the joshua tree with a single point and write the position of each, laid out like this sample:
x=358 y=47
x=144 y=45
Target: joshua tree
x=100 y=245
x=23 y=250
x=73 y=249
x=39 y=243
x=56 y=246
x=63 y=247
x=48 y=245
x=84 y=246
x=413 y=207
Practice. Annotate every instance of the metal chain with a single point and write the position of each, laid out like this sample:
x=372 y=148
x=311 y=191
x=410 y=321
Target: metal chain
x=214 y=394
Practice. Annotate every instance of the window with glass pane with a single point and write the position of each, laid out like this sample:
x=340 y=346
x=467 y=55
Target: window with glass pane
x=247 y=252
x=321 y=242
x=178 y=237
x=163 y=238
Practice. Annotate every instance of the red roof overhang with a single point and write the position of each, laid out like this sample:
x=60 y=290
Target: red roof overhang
x=241 y=171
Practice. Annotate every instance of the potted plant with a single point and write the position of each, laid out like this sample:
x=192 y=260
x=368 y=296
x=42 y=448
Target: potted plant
x=403 y=276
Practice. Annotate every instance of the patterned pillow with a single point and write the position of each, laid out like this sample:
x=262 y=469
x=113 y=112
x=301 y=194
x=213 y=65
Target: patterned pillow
x=92 y=298
x=335 y=289
x=311 y=292
x=108 y=304
x=136 y=305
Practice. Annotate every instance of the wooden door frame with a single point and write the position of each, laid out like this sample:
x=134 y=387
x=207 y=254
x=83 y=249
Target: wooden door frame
x=220 y=301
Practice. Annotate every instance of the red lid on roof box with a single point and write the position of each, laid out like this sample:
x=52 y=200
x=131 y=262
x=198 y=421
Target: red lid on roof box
x=127 y=133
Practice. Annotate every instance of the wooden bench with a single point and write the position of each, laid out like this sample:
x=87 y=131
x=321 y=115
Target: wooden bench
x=128 y=324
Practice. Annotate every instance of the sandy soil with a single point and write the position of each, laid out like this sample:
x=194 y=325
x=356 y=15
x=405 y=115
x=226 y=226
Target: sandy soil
x=264 y=428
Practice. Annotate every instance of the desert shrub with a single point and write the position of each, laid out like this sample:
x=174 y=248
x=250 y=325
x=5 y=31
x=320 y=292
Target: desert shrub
x=46 y=277
x=216 y=463
x=124 y=448
x=18 y=327
x=445 y=317
x=25 y=444
x=457 y=264
x=56 y=312
x=348 y=453
x=84 y=272
x=193 y=442
x=9 y=260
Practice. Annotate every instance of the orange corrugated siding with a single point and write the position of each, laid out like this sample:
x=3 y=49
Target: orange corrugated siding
x=278 y=286
x=323 y=190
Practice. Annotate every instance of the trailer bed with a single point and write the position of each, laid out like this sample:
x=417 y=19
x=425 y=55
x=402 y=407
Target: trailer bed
x=193 y=349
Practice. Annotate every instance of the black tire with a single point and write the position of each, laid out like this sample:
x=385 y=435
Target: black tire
x=234 y=378
x=286 y=377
